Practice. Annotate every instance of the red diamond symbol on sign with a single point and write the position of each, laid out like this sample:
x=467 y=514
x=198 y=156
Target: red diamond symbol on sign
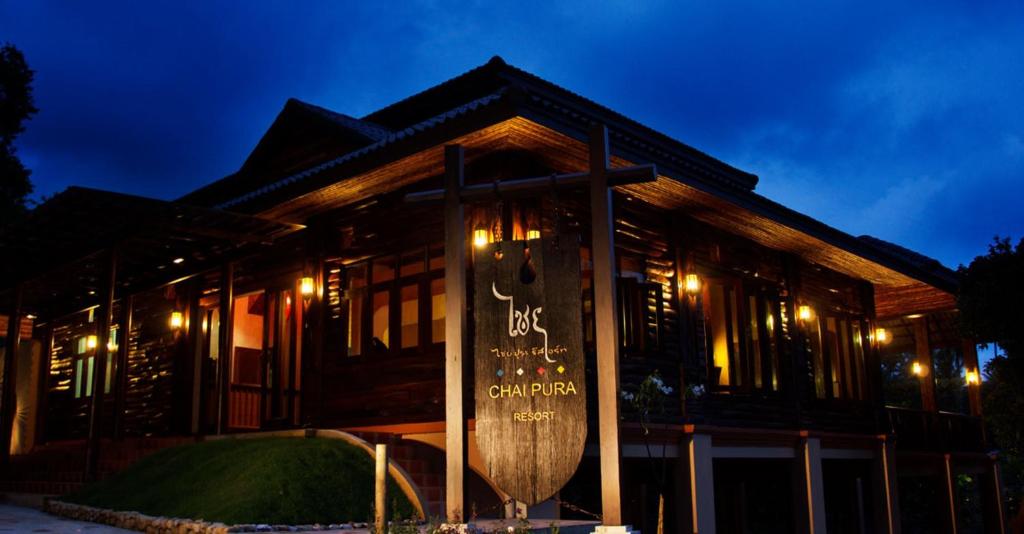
x=540 y=370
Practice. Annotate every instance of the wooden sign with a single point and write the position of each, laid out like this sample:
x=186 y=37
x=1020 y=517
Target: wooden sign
x=531 y=420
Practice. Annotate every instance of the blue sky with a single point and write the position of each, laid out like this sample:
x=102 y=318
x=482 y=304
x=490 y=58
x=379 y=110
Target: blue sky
x=900 y=121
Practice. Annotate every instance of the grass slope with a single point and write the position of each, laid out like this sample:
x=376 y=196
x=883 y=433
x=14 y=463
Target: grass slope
x=272 y=480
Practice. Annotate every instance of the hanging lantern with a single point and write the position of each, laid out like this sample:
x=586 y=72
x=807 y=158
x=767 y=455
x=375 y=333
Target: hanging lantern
x=306 y=286
x=691 y=283
x=804 y=312
x=918 y=370
x=481 y=237
x=177 y=320
x=972 y=377
x=91 y=342
x=882 y=336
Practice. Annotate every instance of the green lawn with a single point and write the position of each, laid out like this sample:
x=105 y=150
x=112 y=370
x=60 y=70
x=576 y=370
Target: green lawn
x=272 y=480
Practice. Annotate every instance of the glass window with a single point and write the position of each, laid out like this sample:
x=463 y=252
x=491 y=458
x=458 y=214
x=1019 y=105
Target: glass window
x=410 y=300
x=817 y=355
x=355 y=324
x=437 y=310
x=412 y=263
x=381 y=319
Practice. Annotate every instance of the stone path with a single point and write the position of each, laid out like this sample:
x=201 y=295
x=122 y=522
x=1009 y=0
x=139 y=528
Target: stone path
x=27 y=520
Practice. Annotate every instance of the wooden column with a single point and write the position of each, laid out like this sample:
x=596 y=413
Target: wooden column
x=606 y=327
x=121 y=381
x=812 y=486
x=227 y=315
x=949 y=495
x=924 y=357
x=971 y=364
x=887 y=521
x=104 y=316
x=454 y=334
x=9 y=396
x=702 y=483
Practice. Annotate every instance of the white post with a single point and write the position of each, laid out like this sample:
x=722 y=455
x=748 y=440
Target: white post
x=702 y=483
x=380 y=501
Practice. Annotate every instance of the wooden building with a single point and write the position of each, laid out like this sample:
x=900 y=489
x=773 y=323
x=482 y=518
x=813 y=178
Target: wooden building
x=308 y=290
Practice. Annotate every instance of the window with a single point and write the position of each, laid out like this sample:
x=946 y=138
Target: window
x=395 y=302
x=85 y=363
x=741 y=329
x=836 y=346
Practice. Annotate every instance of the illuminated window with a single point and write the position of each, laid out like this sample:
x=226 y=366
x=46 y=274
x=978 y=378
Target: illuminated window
x=387 y=301
x=741 y=329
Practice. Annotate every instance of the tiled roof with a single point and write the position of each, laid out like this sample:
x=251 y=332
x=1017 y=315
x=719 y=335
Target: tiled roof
x=917 y=259
x=389 y=139
x=372 y=131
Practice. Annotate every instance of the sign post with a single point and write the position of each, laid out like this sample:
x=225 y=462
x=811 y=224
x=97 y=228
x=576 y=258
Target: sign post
x=598 y=179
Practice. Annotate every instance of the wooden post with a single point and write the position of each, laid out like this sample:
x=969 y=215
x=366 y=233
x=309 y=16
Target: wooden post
x=43 y=380
x=454 y=334
x=950 y=496
x=227 y=316
x=702 y=483
x=104 y=315
x=971 y=364
x=606 y=326
x=121 y=382
x=380 y=495
x=924 y=357
x=9 y=396
x=812 y=486
x=887 y=496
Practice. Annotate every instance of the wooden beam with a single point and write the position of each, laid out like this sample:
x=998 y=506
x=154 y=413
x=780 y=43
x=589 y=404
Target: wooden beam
x=924 y=357
x=227 y=314
x=530 y=186
x=121 y=383
x=454 y=334
x=606 y=327
x=99 y=371
x=9 y=397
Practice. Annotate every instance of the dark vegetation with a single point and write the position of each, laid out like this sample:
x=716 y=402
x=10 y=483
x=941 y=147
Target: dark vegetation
x=991 y=303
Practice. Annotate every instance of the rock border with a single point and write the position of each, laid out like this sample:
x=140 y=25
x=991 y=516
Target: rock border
x=171 y=525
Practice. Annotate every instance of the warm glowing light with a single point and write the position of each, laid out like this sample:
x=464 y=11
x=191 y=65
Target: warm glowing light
x=177 y=320
x=533 y=234
x=111 y=346
x=804 y=312
x=917 y=369
x=692 y=284
x=972 y=378
x=178 y=260
x=91 y=342
x=481 y=237
x=306 y=286
x=882 y=335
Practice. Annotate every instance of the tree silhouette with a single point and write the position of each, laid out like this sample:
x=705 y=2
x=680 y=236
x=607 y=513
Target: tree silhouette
x=991 y=303
x=16 y=106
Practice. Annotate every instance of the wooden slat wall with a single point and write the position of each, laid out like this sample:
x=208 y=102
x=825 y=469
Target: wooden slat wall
x=150 y=396
x=67 y=417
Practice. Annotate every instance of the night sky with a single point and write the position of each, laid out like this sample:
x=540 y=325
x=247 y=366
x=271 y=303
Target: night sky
x=904 y=122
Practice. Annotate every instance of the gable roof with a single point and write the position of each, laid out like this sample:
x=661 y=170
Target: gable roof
x=301 y=135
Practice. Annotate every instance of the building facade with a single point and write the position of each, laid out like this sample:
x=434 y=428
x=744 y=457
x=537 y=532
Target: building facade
x=816 y=380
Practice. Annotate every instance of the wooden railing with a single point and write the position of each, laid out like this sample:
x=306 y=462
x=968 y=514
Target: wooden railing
x=244 y=406
x=917 y=430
